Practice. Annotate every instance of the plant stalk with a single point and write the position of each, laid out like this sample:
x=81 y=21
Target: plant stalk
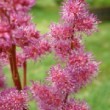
x=24 y=74
x=14 y=69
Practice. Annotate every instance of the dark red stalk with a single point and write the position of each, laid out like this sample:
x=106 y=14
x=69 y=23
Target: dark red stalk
x=11 y=67
x=24 y=74
x=66 y=97
x=11 y=63
x=15 y=69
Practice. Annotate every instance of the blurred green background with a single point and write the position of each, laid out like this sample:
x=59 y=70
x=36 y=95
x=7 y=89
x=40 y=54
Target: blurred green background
x=96 y=94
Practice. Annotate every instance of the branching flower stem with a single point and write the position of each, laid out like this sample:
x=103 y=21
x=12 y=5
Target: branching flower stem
x=24 y=74
x=14 y=69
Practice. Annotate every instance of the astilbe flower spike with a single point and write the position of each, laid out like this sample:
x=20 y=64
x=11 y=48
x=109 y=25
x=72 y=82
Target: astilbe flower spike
x=17 y=31
x=78 y=67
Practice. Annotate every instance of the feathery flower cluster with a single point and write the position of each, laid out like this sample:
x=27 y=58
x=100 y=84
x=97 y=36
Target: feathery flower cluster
x=76 y=20
x=48 y=98
x=80 y=67
x=60 y=79
x=63 y=39
x=72 y=9
x=17 y=29
x=75 y=12
x=12 y=99
x=17 y=32
x=76 y=105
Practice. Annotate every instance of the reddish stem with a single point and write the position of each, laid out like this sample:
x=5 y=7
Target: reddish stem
x=15 y=69
x=11 y=63
x=11 y=67
x=24 y=74
x=66 y=97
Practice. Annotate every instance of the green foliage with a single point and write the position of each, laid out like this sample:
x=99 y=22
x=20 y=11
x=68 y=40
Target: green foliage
x=45 y=3
x=58 y=1
x=99 y=3
x=93 y=3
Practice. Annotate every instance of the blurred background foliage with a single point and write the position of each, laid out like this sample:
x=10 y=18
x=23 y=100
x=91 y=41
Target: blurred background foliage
x=99 y=3
x=96 y=94
x=93 y=3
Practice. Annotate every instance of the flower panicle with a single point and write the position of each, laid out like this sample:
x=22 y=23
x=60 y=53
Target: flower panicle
x=79 y=67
